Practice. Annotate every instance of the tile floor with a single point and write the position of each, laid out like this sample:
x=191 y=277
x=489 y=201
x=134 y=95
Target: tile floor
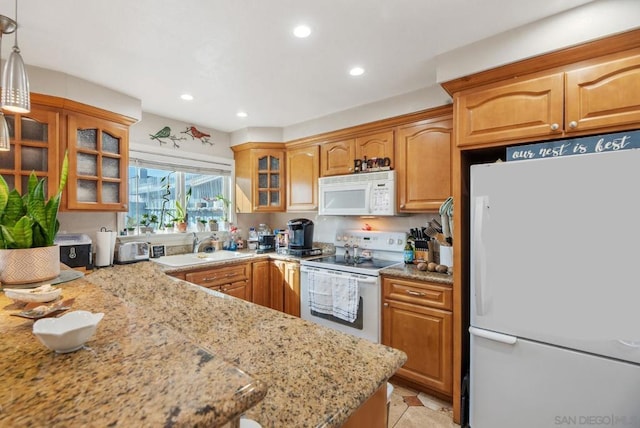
x=413 y=409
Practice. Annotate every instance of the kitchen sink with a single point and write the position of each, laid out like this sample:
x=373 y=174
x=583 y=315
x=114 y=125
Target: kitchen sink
x=179 y=260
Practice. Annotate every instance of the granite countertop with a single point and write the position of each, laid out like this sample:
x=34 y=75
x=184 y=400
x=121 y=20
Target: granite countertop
x=313 y=376
x=135 y=371
x=410 y=271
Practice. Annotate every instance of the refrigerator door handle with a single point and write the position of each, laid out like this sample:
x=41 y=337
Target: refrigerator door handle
x=481 y=205
x=630 y=343
x=492 y=335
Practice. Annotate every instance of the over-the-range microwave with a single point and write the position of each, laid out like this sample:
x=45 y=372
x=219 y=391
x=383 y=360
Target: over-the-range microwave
x=364 y=194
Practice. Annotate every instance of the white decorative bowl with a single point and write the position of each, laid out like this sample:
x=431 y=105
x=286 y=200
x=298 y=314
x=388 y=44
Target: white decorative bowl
x=44 y=293
x=67 y=333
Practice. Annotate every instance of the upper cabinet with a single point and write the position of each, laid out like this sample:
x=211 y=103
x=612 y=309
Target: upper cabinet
x=336 y=157
x=601 y=95
x=260 y=176
x=303 y=170
x=96 y=142
x=423 y=163
x=98 y=163
x=34 y=147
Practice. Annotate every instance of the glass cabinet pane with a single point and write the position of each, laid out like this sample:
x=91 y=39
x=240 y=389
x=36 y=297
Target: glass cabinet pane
x=110 y=144
x=275 y=198
x=87 y=191
x=263 y=181
x=11 y=181
x=34 y=130
x=34 y=158
x=88 y=138
x=87 y=164
x=275 y=181
x=110 y=192
x=274 y=163
x=110 y=167
x=262 y=163
x=7 y=159
x=263 y=198
x=11 y=124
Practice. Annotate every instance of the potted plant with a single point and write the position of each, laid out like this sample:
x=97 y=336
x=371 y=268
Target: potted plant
x=225 y=209
x=201 y=224
x=181 y=213
x=28 y=226
x=147 y=222
x=131 y=225
x=169 y=226
x=213 y=225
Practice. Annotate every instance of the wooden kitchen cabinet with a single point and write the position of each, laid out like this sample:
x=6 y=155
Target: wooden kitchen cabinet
x=336 y=157
x=417 y=319
x=423 y=163
x=303 y=170
x=98 y=163
x=234 y=280
x=376 y=145
x=260 y=177
x=261 y=284
x=34 y=147
x=601 y=96
x=287 y=279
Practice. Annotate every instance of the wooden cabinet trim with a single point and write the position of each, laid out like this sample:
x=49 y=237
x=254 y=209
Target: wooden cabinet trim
x=559 y=58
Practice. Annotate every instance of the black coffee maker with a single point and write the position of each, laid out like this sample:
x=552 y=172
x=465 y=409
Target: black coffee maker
x=300 y=233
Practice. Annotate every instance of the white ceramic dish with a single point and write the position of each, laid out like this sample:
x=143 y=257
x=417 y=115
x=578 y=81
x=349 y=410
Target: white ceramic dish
x=42 y=294
x=67 y=333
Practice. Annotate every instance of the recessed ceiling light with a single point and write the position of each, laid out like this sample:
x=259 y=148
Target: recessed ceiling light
x=187 y=97
x=301 y=31
x=241 y=114
x=356 y=71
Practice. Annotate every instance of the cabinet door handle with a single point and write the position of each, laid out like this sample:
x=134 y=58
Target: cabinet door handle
x=555 y=127
x=401 y=205
x=386 y=305
x=212 y=278
x=573 y=124
x=415 y=293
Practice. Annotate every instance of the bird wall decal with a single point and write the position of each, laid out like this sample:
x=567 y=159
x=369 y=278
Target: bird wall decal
x=196 y=133
x=166 y=133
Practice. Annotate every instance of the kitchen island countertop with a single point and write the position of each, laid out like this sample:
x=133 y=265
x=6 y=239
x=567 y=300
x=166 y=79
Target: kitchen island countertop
x=277 y=369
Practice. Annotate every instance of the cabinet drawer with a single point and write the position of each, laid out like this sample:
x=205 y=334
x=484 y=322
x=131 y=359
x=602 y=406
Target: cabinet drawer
x=418 y=292
x=219 y=276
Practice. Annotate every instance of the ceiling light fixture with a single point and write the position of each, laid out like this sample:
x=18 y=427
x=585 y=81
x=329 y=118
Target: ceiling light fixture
x=187 y=97
x=7 y=26
x=356 y=71
x=302 y=31
x=15 y=95
x=241 y=114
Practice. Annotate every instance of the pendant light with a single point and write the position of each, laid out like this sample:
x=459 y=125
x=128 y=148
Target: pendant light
x=15 y=83
x=7 y=26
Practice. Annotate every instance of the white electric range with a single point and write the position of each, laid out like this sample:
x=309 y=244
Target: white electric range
x=360 y=255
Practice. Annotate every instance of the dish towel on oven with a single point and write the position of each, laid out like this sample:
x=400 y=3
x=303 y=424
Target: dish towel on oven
x=334 y=295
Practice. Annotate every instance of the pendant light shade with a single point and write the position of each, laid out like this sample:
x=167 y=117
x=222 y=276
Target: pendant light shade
x=14 y=95
x=5 y=144
x=15 y=85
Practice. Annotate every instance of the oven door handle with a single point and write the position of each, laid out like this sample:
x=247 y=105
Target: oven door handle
x=334 y=273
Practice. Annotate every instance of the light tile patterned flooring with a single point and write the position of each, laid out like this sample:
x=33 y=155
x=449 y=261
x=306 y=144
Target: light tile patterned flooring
x=413 y=409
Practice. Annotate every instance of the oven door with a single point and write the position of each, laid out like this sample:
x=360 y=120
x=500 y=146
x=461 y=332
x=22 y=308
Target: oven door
x=367 y=322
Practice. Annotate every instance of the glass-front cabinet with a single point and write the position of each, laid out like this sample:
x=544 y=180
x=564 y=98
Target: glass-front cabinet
x=34 y=147
x=268 y=191
x=98 y=163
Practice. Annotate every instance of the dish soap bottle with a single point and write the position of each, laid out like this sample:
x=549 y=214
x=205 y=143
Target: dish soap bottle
x=408 y=253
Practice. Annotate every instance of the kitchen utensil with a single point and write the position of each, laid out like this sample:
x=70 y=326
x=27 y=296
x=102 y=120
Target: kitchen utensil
x=44 y=293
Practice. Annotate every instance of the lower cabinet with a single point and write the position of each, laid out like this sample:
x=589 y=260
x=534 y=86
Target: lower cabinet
x=417 y=319
x=234 y=280
x=276 y=285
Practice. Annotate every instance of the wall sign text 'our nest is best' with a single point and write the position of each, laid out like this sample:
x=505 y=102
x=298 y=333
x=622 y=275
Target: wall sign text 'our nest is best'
x=576 y=146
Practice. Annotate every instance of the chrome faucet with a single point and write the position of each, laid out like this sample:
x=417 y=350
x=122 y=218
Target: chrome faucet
x=197 y=243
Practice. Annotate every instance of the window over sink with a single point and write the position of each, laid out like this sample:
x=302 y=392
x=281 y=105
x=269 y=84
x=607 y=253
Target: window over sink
x=157 y=182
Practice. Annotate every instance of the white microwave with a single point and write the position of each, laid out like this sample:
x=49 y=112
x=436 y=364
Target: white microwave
x=366 y=194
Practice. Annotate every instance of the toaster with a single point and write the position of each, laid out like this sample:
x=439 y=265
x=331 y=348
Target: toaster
x=131 y=252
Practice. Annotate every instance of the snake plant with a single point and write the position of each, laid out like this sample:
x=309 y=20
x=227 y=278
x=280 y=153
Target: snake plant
x=28 y=221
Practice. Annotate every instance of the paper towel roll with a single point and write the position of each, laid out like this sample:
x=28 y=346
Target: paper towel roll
x=105 y=244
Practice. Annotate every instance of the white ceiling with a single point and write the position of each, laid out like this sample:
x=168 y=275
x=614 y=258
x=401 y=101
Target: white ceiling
x=240 y=54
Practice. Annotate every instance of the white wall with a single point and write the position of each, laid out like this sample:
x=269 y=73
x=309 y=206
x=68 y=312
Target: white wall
x=579 y=25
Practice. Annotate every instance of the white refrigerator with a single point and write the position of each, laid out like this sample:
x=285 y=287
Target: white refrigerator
x=555 y=292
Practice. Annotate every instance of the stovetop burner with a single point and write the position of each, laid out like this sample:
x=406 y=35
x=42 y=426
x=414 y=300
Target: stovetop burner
x=358 y=262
